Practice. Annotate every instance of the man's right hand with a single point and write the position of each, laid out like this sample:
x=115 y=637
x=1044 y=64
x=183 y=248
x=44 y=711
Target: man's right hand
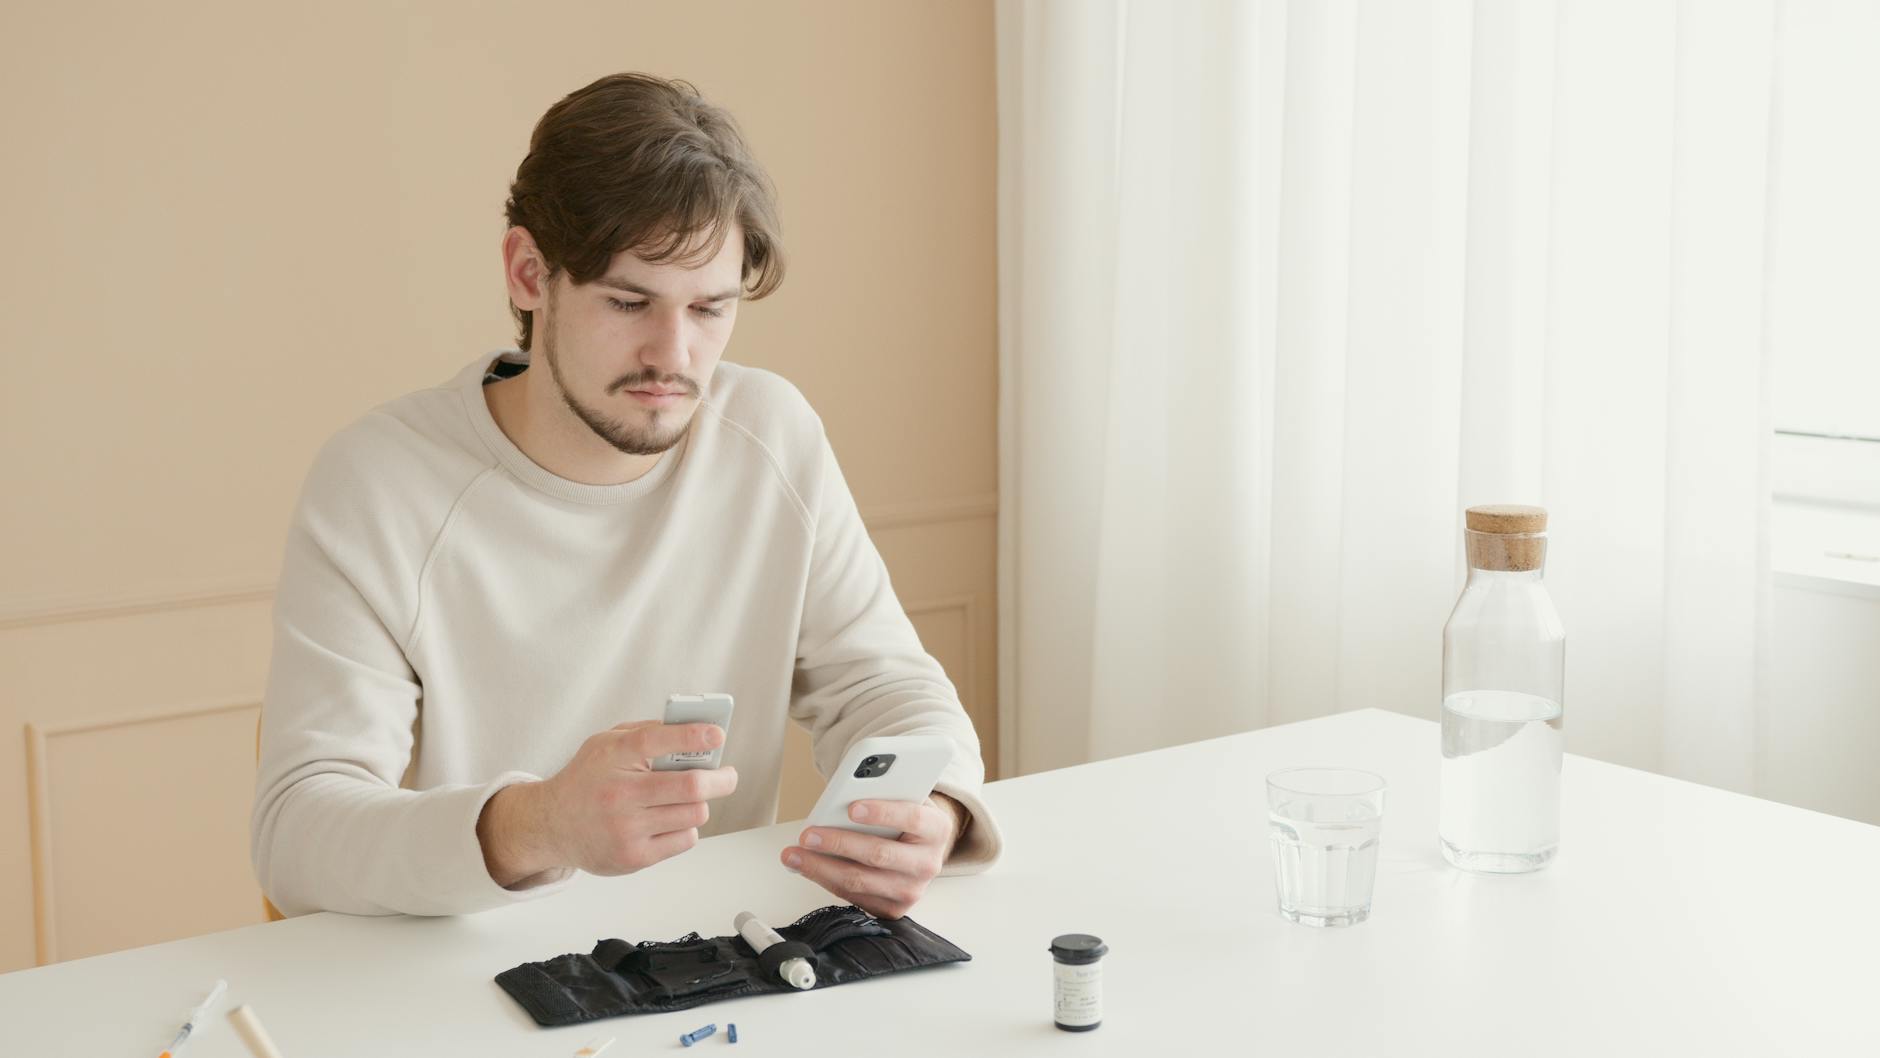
x=607 y=812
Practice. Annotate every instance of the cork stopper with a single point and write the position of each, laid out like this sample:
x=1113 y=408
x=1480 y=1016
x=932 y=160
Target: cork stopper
x=1506 y=537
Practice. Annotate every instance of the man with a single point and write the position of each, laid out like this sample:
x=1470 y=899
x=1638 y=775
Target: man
x=491 y=586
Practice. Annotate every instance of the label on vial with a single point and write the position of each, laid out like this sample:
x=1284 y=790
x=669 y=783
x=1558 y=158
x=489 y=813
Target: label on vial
x=1079 y=994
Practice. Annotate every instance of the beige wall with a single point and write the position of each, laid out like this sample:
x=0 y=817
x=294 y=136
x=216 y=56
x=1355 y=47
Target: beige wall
x=231 y=228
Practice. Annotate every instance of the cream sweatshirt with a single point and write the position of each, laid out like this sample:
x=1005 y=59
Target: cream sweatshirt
x=452 y=618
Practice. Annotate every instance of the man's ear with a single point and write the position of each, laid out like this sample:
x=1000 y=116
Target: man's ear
x=525 y=273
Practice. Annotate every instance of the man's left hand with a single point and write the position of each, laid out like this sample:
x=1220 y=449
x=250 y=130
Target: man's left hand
x=883 y=876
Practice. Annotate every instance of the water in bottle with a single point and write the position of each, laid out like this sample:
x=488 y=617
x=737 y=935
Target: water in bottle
x=1504 y=664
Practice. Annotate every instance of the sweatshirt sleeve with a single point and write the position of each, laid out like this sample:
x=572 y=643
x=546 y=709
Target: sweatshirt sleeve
x=861 y=670
x=331 y=829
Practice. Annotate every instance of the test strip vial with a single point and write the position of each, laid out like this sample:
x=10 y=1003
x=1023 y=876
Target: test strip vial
x=1077 y=978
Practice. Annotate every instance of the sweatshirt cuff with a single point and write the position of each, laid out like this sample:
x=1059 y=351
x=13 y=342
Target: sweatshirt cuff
x=980 y=842
x=467 y=885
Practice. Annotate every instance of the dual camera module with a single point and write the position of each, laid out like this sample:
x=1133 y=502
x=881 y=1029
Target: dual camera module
x=875 y=766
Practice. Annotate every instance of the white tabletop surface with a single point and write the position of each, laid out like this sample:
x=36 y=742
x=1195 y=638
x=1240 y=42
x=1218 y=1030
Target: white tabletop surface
x=1678 y=920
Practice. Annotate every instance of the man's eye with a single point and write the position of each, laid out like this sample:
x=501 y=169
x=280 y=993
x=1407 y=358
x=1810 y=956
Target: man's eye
x=635 y=306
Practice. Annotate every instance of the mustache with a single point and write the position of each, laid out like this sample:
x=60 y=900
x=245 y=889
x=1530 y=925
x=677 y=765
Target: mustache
x=644 y=379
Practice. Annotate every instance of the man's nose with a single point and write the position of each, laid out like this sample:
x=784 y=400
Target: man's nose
x=663 y=346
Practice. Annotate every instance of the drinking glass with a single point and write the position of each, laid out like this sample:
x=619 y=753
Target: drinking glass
x=1324 y=824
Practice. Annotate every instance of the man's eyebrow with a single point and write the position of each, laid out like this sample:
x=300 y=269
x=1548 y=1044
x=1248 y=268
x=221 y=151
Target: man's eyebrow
x=635 y=288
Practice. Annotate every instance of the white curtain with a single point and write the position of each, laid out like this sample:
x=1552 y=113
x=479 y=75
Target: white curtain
x=1286 y=286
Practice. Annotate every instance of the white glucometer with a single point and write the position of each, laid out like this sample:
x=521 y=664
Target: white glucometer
x=697 y=709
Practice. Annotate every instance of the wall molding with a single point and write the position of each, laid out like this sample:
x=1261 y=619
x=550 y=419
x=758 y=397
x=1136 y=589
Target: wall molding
x=39 y=801
x=930 y=512
x=100 y=607
x=33 y=613
x=970 y=607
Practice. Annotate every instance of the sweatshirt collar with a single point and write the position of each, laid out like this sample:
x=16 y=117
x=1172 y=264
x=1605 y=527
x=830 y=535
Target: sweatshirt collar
x=469 y=384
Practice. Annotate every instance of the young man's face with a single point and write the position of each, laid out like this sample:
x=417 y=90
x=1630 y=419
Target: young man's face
x=632 y=351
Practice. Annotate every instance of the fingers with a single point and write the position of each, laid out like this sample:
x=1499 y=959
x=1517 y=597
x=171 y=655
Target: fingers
x=635 y=838
x=635 y=744
x=882 y=876
x=665 y=846
x=665 y=819
x=885 y=894
x=922 y=821
x=617 y=815
x=680 y=787
x=883 y=854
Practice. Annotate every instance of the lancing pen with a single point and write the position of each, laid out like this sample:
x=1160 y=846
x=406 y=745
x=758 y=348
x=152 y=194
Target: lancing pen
x=195 y=1015
x=796 y=971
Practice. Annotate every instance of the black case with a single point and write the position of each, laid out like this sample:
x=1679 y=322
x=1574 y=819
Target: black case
x=843 y=943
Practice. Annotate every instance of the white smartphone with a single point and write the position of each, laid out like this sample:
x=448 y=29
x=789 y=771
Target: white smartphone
x=697 y=709
x=883 y=768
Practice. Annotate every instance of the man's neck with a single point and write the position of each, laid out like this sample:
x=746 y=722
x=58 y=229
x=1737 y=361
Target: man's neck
x=534 y=418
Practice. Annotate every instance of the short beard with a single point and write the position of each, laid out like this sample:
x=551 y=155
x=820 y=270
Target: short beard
x=634 y=441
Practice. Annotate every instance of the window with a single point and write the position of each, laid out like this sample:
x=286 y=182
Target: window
x=1824 y=298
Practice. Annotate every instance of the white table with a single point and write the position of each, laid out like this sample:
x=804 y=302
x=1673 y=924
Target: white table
x=1678 y=920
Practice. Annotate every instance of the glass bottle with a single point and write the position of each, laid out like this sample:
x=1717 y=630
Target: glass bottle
x=1504 y=670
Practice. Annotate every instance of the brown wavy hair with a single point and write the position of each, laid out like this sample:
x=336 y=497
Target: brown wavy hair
x=635 y=162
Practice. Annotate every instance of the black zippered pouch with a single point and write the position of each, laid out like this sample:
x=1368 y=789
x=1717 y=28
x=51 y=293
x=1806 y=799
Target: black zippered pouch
x=843 y=943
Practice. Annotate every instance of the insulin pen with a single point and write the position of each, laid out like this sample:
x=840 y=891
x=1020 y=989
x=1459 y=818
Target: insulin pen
x=759 y=936
x=194 y=1016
